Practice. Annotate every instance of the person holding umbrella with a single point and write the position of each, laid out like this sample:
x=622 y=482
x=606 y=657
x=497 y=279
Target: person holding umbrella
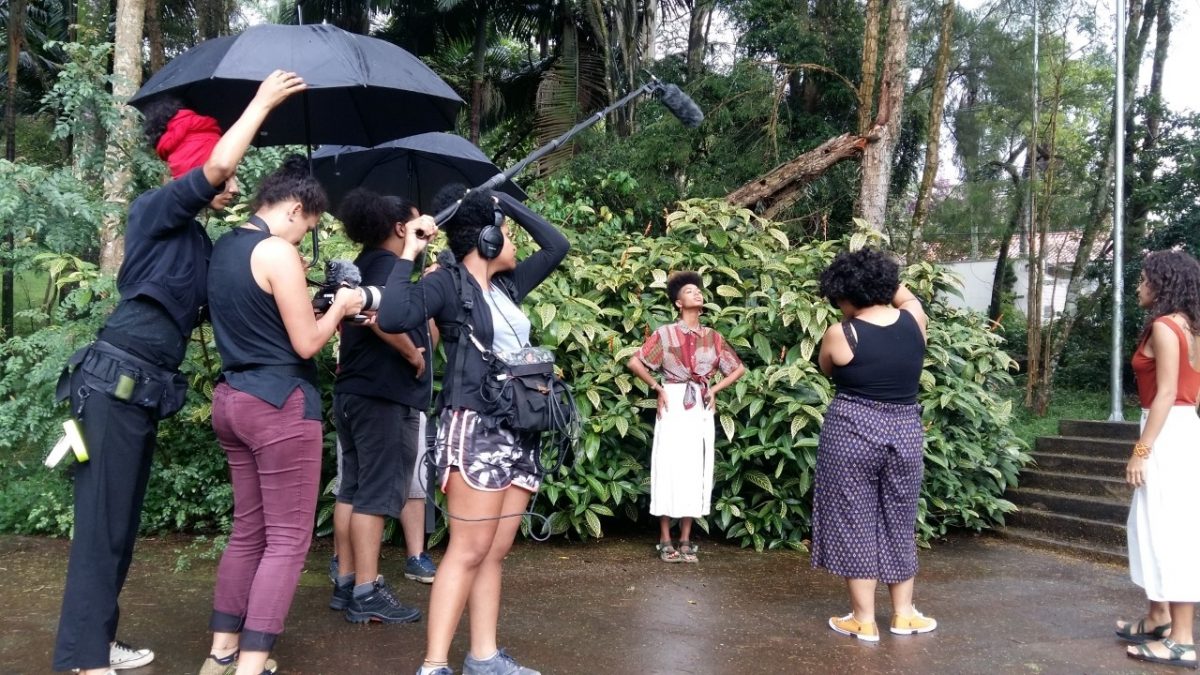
x=383 y=385
x=487 y=470
x=267 y=412
x=122 y=384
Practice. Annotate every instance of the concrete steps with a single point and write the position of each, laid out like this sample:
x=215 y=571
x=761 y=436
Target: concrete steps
x=1074 y=499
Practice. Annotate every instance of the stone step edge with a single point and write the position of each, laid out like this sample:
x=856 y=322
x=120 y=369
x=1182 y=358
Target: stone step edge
x=1041 y=540
x=1107 y=501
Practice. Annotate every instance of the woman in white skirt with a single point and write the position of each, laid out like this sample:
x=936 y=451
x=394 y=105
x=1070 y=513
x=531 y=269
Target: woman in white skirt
x=1164 y=552
x=687 y=355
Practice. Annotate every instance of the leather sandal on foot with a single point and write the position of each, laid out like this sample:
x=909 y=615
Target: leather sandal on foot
x=667 y=552
x=688 y=551
x=1137 y=634
x=1142 y=653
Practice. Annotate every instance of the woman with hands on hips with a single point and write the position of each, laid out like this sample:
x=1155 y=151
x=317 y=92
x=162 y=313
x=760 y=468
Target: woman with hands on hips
x=681 y=460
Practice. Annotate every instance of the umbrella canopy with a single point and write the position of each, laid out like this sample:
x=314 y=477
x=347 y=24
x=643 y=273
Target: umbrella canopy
x=361 y=90
x=415 y=167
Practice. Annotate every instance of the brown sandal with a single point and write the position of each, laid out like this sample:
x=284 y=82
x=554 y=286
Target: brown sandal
x=688 y=550
x=667 y=552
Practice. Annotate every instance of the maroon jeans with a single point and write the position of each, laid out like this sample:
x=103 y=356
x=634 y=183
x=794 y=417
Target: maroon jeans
x=275 y=464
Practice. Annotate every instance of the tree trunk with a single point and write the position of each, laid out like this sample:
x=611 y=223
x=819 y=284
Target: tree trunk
x=88 y=143
x=477 y=71
x=127 y=76
x=937 y=99
x=1014 y=223
x=154 y=34
x=16 y=35
x=1141 y=202
x=877 y=156
x=697 y=37
x=870 y=61
x=778 y=188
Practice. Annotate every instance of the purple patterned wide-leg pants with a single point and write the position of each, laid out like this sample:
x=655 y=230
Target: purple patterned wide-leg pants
x=870 y=462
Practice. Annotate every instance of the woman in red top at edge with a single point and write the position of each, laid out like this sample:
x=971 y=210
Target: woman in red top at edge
x=1164 y=469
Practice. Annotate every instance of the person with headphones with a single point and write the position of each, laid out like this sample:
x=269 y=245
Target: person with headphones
x=487 y=471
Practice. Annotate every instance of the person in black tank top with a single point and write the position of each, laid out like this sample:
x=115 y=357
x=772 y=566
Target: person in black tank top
x=267 y=412
x=122 y=384
x=870 y=457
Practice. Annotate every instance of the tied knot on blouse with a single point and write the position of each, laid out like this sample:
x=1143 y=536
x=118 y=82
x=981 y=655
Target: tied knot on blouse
x=688 y=356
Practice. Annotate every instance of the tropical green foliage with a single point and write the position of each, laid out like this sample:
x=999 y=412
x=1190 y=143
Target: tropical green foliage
x=763 y=298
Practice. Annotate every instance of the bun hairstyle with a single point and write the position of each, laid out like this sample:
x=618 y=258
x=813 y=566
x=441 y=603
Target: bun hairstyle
x=292 y=180
x=476 y=212
x=370 y=217
x=680 y=279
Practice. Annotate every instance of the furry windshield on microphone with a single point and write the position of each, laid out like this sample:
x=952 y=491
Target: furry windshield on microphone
x=342 y=273
x=681 y=105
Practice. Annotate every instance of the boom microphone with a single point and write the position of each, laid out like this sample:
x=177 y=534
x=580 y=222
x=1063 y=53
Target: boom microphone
x=681 y=105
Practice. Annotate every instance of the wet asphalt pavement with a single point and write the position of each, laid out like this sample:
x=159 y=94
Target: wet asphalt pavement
x=610 y=606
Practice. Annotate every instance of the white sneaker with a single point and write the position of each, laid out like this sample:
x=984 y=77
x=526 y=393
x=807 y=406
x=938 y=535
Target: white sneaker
x=123 y=657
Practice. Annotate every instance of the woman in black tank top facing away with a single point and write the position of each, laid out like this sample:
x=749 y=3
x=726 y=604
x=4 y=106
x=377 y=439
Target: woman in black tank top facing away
x=267 y=412
x=870 y=459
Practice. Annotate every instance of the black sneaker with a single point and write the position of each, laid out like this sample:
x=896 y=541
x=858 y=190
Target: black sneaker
x=342 y=594
x=380 y=605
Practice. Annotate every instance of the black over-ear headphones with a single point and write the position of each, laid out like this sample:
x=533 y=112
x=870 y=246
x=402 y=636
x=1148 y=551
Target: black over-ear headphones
x=491 y=238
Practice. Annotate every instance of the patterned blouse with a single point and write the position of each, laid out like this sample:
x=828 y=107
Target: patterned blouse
x=687 y=355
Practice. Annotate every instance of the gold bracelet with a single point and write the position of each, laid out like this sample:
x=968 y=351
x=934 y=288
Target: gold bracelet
x=1141 y=449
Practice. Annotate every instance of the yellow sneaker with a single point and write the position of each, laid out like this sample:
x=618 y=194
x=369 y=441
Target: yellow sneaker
x=848 y=625
x=913 y=625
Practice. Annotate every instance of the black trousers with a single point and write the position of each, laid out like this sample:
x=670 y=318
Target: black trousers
x=109 y=489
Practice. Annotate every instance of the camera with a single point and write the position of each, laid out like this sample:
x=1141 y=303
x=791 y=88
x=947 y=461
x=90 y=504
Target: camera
x=345 y=274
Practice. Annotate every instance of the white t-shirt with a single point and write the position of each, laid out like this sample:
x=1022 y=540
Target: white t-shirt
x=510 y=326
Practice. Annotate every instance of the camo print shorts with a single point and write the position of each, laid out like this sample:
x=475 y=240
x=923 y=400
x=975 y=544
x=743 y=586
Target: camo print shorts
x=489 y=457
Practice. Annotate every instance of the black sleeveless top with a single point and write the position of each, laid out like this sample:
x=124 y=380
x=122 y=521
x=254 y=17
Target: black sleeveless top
x=887 y=362
x=256 y=353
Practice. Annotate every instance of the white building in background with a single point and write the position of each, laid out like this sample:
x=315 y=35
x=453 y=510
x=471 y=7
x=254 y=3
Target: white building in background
x=975 y=277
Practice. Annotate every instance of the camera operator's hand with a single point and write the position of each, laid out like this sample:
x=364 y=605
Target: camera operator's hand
x=418 y=232
x=348 y=301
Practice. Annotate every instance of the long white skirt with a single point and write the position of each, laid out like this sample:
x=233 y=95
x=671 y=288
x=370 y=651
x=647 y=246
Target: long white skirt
x=681 y=464
x=1164 y=550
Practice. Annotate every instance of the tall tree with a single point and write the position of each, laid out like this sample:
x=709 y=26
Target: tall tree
x=16 y=35
x=877 y=156
x=127 y=77
x=936 y=102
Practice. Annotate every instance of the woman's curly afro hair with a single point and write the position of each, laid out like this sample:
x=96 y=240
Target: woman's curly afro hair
x=864 y=278
x=680 y=279
x=1174 y=277
x=476 y=212
x=370 y=217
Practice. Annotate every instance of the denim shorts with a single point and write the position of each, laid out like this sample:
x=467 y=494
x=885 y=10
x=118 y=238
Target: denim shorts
x=488 y=456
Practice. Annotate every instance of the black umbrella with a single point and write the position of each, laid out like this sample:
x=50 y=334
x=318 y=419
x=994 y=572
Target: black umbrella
x=361 y=90
x=415 y=167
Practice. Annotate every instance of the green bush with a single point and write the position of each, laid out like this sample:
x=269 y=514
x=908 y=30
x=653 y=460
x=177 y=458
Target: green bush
x=764 y=299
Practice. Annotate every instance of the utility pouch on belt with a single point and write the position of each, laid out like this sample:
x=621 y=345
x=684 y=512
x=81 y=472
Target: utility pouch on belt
x=115 y=372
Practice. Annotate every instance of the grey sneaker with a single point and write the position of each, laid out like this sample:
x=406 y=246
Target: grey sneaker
x=123 y=657
x=333 y=568
x=420 y=568
x=444 y=670
x=380 y=605
x=342 y=594
x=500 y=664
